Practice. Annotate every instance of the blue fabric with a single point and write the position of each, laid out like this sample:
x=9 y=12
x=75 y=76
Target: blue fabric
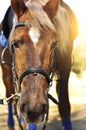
x=3 y=40
x=10 y=116
x=32 y=127
x=21 y=119
x=67 y=124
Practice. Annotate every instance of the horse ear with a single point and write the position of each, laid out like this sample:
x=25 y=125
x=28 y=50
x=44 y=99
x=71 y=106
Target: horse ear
x=51 y=7
x=18 y=7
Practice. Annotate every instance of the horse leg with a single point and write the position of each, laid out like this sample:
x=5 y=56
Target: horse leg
x=64 y=105
x=62 y=90
x=10 y=117
x=31 y=126
x=7 y=79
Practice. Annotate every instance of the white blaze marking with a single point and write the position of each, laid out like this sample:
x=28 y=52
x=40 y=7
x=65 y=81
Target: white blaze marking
x=34 y=35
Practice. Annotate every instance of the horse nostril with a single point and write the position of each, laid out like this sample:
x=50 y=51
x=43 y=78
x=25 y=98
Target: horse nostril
x=33 y=112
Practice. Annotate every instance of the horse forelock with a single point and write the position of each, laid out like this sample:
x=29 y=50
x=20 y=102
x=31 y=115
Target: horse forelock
x=42 y=2
x=37 y=13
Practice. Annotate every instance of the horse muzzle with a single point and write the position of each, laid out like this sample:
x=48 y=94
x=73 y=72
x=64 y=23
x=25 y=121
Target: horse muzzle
x=34 y=108
x=34 y=114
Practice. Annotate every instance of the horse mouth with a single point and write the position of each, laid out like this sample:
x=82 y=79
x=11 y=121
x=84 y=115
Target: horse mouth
x=34 y=115
x=35 y=118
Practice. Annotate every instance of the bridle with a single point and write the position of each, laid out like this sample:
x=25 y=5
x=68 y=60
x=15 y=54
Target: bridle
x=34 y=71
x=31 y=70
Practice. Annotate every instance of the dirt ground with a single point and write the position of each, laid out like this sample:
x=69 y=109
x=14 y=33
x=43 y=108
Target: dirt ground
x=77 y=94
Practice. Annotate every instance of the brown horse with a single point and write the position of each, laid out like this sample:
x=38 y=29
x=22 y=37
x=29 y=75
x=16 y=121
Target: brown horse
x=41 y=43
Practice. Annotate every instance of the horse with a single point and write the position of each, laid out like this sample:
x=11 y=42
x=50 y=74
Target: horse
x=40 y=47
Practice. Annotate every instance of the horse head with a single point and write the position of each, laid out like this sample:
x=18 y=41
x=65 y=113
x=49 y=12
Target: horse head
x=33 y=41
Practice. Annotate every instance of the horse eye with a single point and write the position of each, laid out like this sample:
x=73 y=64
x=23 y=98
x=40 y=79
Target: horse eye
x=16 y=43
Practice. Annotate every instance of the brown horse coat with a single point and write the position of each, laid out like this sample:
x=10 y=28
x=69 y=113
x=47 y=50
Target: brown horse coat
x=46 y=41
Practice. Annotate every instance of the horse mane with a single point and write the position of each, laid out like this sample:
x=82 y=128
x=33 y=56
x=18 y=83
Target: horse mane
x=42 y=2
x=7 y=22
